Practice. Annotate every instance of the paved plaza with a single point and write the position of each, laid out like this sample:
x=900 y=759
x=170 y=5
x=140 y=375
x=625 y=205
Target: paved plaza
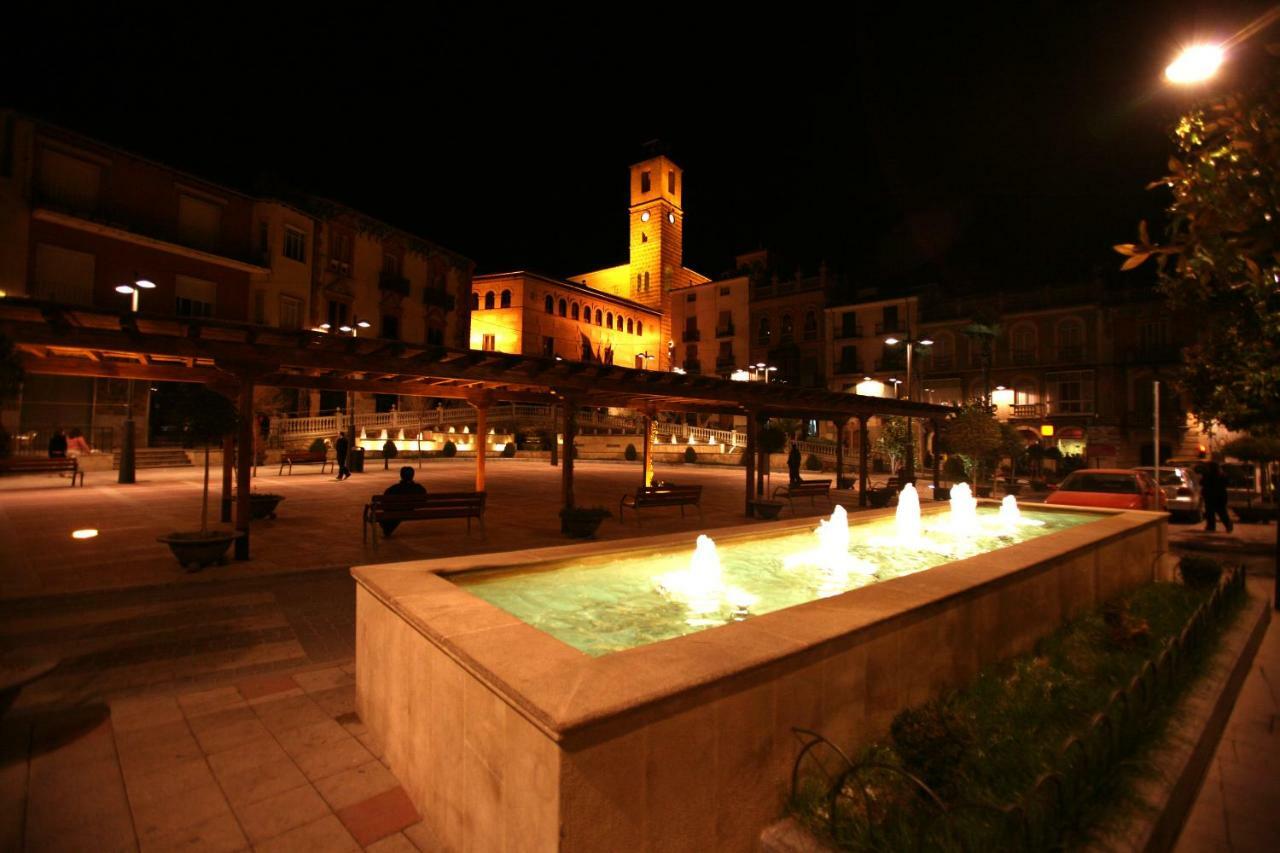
x=215 y=710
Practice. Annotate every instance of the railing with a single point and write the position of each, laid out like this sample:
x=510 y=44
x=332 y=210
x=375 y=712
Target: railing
x=726 y=362
x=394 y=282
x=845 y=332
x=1028 y=410
x=891 y=363
x=1022 y=356
x=1156 y=354
x=1071 y=407
x=942 y=362
x=1071 y=353
x=889 y=328
x=692 y=366
x=439 y=298
x=691 y=335
x=724 y=331
x=849 y=366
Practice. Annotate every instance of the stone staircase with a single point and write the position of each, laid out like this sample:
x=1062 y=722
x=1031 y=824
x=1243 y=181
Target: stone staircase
x=155 y=457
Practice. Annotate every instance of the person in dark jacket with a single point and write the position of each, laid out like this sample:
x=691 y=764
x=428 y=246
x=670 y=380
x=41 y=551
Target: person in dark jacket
x=793 y=463
x=1213 y=488
x=406 y=486
x=340 y=448
x=58 y=444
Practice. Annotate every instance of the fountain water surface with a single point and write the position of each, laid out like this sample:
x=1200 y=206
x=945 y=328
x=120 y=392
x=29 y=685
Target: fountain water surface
x=701 y=587
x=964 y=510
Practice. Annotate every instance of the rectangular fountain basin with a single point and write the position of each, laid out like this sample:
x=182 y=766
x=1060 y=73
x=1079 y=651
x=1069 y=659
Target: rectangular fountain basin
x=507 y=737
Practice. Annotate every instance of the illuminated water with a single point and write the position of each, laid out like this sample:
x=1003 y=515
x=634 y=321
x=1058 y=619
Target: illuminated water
x=608 y=603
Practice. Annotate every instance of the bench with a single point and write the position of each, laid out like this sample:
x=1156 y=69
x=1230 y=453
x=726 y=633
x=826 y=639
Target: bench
x=427 y=507
x=804 y=489
x=22 y=465
x=655 y=496
x=305 y=457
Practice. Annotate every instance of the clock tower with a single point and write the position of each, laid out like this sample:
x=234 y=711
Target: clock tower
x=657 y=236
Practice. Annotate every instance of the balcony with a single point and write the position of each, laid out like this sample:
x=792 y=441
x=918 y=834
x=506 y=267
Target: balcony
x=942 y=362
x=394 y=283
x=846 y=332
x=725 y=331
x=895 y=328
x=1022 y=356
x=849 y=365
x=1027 y=410
x=1156 y=354
x=726 y=362
x=438 y=298
x=1070 y=407
x=890 y=364
x=692 y=365
x=690 y=336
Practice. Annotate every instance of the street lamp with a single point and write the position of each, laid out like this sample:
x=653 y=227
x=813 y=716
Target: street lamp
x=911 y=343
x=764 y=370
x=134 y=289
x=1195 y=64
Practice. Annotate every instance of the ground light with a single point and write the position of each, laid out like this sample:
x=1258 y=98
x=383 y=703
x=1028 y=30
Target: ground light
x=84 y=533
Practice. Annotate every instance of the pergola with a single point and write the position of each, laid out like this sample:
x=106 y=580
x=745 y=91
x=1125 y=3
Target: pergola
x=234 y=358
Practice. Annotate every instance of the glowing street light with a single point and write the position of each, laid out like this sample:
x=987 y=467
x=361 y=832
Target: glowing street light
x=134 y=289
x=1195 y=64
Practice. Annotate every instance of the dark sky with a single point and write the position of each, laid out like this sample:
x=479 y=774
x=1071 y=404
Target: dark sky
x=971 y=146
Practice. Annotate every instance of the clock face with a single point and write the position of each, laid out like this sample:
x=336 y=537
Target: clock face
x=671 y=217
x=644 y=217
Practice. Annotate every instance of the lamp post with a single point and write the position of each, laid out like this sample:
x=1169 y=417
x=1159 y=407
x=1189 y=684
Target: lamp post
x=764 y=370
x=909 y=470
x=128 y=438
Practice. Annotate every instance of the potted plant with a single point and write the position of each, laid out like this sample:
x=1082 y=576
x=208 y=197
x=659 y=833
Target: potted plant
x=879 y=498
x=581 y=522
x=263 y=505
x=205 y=417
x=766 y=509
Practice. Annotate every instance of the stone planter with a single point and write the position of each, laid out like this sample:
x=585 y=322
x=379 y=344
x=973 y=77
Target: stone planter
x=942 y=493
x=263 y=505
x=197 y=550
x=767 y=510
x=582 y=523
x=879 y=498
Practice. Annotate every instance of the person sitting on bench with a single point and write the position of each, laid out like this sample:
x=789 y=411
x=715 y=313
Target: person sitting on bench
x=406 y=486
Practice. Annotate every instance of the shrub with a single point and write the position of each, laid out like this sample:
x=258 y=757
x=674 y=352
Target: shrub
x=813 y=463
x=318 y=445
x=509 y=450
x=630 y=453
x=449 y=450
x=690 y=455
x=932 y=741
x=1199 y=572
x=953 y=469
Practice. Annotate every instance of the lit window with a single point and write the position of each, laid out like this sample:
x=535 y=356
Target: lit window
x=489 y=344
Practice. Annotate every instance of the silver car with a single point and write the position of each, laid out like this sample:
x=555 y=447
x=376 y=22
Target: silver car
x=1182 y=490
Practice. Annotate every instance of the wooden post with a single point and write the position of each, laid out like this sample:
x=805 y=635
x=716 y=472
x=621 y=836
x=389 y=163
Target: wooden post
x=482 y=439
x=555 y=447
x=762 y=462
x=937 y=464
x=840 y=425
x=244 y=467
x=228 y=460
x=566 y=468
x=863 y=455
x=750 y=451
x=650 y=433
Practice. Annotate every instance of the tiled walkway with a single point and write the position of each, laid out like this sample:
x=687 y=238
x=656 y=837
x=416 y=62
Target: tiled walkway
x=274 y=762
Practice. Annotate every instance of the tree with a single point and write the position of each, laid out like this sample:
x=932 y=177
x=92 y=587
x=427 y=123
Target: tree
x=1220 y=257
x=206 y=417
x=893 y=441
x=982 y=332
x=973 y=434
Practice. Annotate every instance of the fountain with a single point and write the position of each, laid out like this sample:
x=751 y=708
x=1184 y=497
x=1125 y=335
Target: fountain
x=1009 y=512
x=964 y=510
x=701 y=587
x=831 y=556
x=907 y=516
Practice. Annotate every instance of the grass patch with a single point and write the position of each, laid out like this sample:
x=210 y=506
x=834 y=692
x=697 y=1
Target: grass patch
x=981 y=751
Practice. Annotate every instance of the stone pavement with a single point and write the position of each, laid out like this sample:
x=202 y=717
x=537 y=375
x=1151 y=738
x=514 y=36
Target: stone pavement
x=319 y=521
x=1236 y=809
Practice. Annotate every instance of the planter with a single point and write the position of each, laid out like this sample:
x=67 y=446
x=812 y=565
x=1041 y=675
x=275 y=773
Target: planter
x=942 y=493
x=582 y=523
x=846 y=482
x=263 y=505
x=767 y=510
x=197 y=550
x=879 y=498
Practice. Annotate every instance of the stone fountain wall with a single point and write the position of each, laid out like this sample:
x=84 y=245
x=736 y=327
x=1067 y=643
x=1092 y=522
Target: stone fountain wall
x=507 y=739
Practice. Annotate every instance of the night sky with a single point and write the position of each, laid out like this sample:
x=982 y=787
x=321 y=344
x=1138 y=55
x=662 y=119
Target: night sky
x=972 y=148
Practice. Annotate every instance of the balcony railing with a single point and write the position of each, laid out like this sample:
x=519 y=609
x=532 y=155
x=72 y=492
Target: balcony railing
x=1027 y=410
x=692 y=366
x=1071 y=407
x=849 y=365
x=726 y=362
x=1156 y=354
x=691 y=336
x=1022 y=356
x=1071 y=353
x=889 y=328
x=394 y=283
x=725 y=331
x=846 y=332
x=438 y=298
x=942 y=362
x=890 y=363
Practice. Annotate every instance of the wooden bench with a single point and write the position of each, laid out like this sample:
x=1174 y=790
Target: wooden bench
x=305 y=457
x=804 y=489
x=427 y=507
x=656 y=496
x=24 y=465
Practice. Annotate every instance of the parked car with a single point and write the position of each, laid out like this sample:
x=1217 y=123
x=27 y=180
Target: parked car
x=1113 y=488
x=1181 y=489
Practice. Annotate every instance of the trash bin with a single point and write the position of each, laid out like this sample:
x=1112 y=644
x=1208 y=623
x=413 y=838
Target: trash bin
x=355 y=460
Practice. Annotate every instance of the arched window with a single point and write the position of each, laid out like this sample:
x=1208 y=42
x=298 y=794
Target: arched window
x=639 y=362
x=631 y=327
x=573 y=311
x=810 y=325
x=1022 y=344
x=599 y=317
x=475 y=301
x=763 y=332
x=564 y=308
x=787 y=331
x=1070 y=339
x=639 y=280
x=550 y=305
x=608 y=320
x=639 y=328
x=505 y=301
x=488 y=300
x=646 y=282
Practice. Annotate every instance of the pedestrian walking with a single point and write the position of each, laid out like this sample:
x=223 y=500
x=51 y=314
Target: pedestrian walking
x=1213 y=489
x=340 y=448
